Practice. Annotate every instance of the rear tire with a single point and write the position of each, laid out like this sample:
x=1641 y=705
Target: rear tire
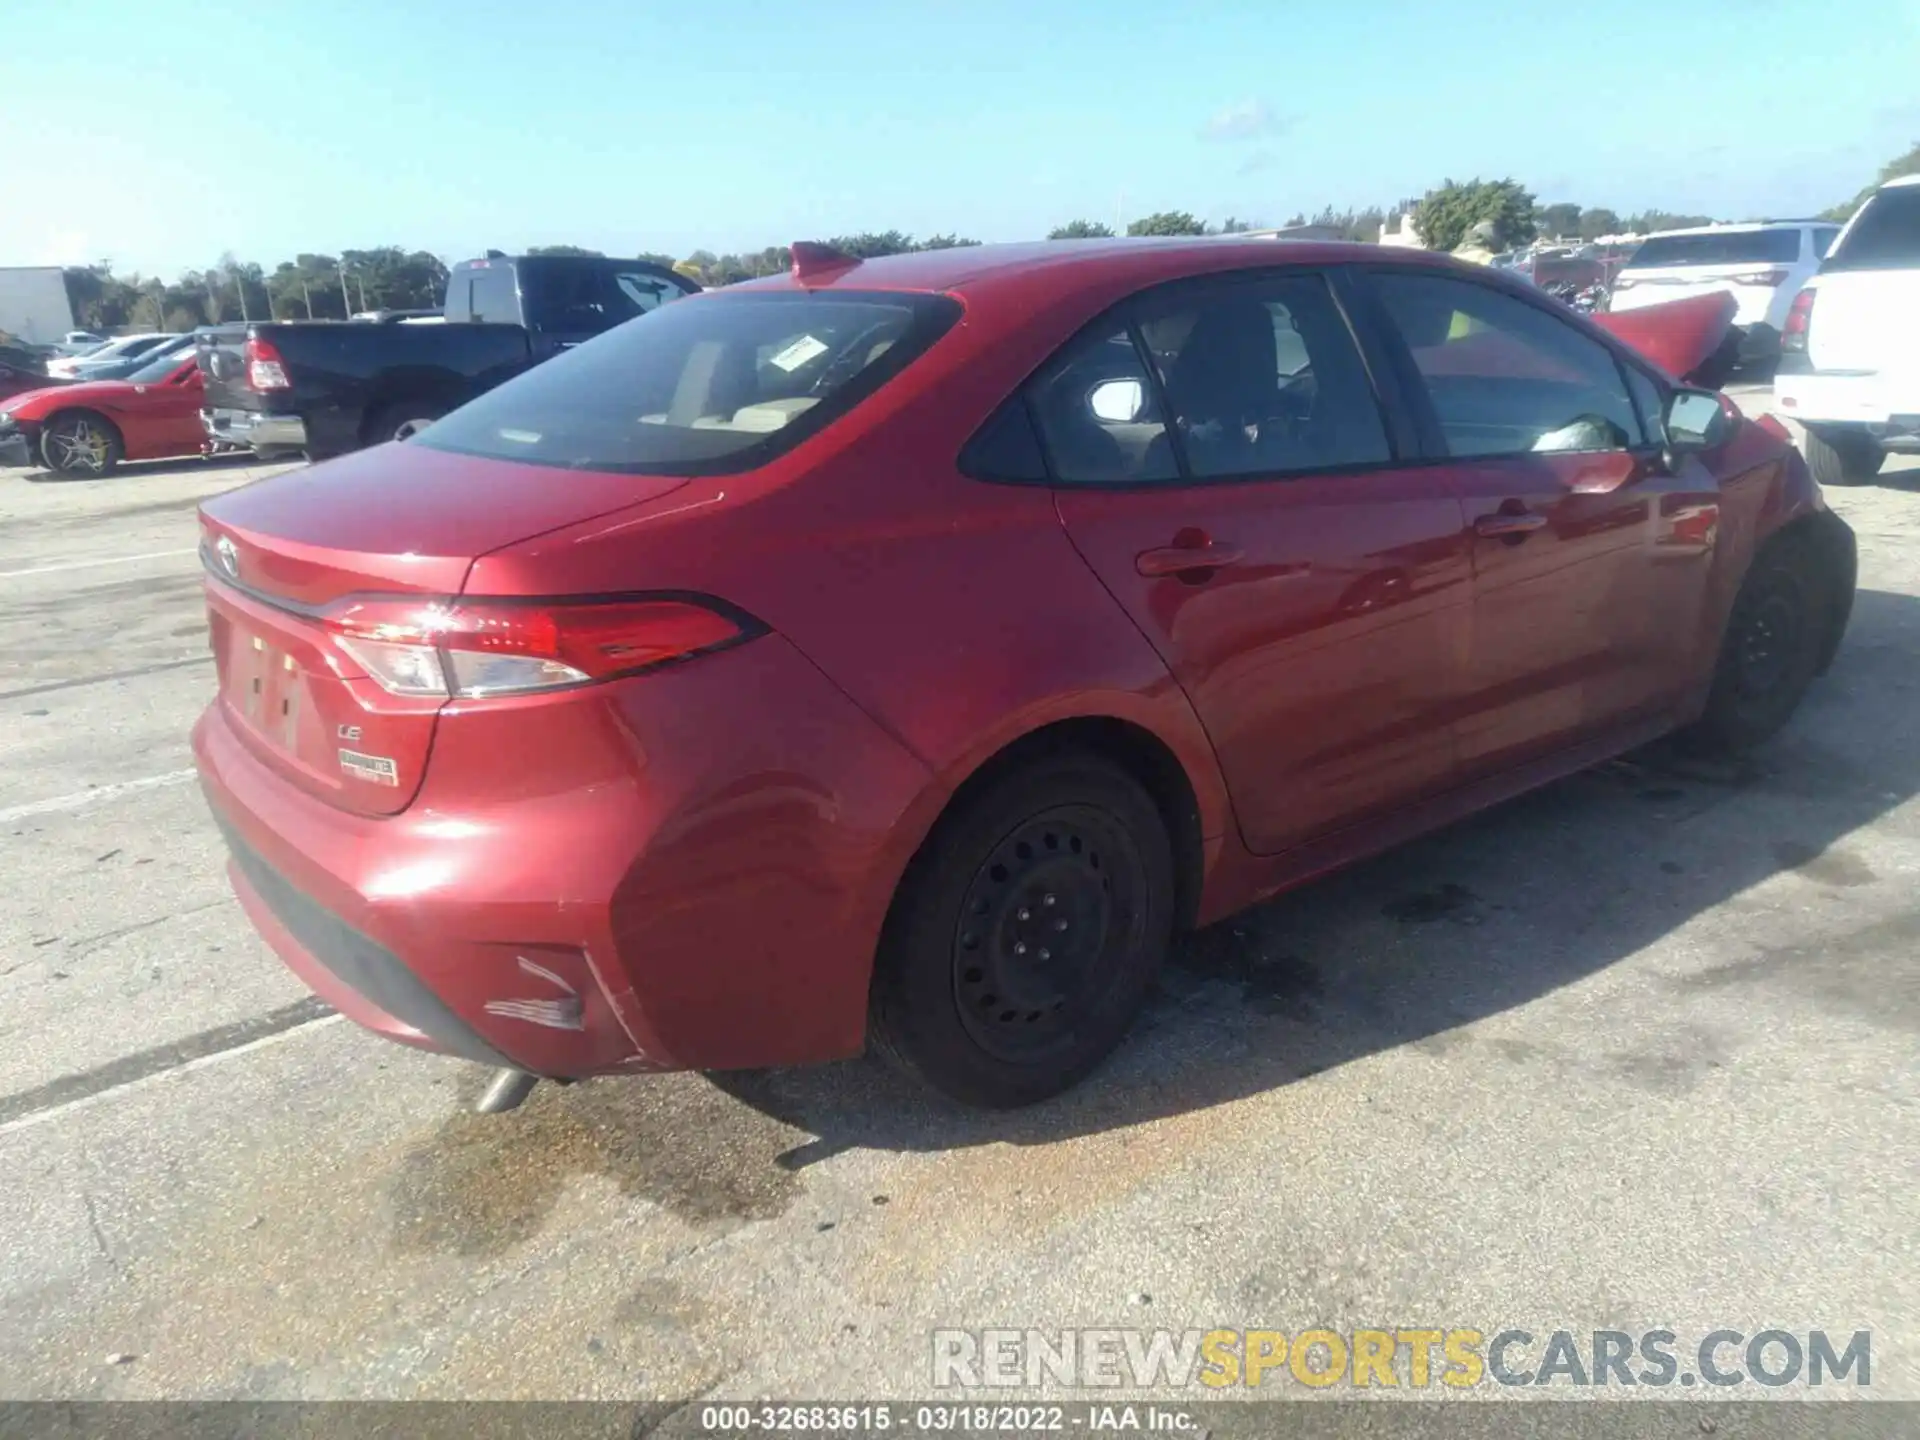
x=1773 y=646
x=402 y=422
x=80 y=443
x=1838 y=456
x=1026 y=934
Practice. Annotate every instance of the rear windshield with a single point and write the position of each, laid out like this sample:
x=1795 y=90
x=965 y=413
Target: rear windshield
x=593 y=295
x=712 y=385
x=1885 y=234
x=1726 y=247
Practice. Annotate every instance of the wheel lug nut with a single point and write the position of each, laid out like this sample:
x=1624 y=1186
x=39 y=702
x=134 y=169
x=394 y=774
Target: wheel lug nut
x=1045 y=954
x=1023 y=914
x=1060 y=925
x=1019 y=948
x=1046 y=900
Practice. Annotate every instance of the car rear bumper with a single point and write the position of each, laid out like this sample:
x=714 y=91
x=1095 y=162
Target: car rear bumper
x=647 y=875
x=255 y=429
x=1885 y=405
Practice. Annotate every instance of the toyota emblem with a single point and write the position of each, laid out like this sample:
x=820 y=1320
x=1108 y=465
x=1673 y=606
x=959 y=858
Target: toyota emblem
x=229 y=555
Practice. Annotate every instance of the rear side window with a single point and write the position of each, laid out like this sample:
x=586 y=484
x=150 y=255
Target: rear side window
x=1823 y=238
x=1728 y=247
x=1099 y=417
x=713 y=387
x=1885 y=235
x=1263 y=378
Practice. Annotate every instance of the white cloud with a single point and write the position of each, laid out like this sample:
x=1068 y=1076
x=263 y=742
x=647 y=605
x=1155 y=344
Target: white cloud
x=1244 y=120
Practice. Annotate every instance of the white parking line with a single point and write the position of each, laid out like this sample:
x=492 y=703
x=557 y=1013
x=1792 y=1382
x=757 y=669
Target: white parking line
x=89 y=564
x=82 y=798
x=84 y=1102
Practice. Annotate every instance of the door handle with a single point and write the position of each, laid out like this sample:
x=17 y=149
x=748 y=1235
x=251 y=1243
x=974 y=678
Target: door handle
x=1205 y=556
x=1505 y=525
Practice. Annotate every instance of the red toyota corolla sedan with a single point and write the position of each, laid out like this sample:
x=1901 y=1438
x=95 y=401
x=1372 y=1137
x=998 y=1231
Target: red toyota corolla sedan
x=901 y=651
x=89 y=426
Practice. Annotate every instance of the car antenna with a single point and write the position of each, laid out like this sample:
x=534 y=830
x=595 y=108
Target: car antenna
x=814 y=260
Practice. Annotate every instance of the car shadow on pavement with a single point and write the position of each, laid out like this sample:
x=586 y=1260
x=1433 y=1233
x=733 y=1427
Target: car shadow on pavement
x=1409 y=949
x=1543 y=892
x=132 y=470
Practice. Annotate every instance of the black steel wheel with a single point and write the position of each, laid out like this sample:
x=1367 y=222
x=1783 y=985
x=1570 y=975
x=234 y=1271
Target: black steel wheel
x=1025 y=937
x=1771 y=649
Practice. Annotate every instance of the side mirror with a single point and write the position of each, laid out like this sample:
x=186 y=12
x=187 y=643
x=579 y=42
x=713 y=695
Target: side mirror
x=1695 y=420
x=1117 y=401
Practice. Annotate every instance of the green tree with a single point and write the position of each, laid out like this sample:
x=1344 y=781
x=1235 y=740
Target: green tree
x=1167 y=222
x=1080 y=230
x=1907 y=164
x=1447 y=214
x=565 y=250
x=868 y=244
x=945 y=242
x=1648 y=221
x=1559 y=221
x=1234 y=226
x=655 y=257
x=1598 y=222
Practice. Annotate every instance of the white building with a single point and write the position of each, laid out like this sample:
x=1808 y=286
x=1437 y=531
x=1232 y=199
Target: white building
x=33 y=303
x=1406 y=235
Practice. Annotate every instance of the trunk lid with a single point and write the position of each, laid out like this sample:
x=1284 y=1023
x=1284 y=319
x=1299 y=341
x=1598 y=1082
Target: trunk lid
x=1680 y=336
x=397 y=521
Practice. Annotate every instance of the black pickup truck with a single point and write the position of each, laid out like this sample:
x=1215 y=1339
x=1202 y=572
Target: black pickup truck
x=326 y=387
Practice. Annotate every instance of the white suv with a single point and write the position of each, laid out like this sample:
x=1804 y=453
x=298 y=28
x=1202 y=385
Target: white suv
x=1850 y=360
x=1762 y=265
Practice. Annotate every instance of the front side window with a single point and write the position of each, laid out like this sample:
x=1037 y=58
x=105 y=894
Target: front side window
x=1505 y=377
x=1262 y=378
x=715 y=386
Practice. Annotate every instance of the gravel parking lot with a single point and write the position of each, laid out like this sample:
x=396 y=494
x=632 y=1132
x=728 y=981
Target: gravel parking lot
x=1636 y=1051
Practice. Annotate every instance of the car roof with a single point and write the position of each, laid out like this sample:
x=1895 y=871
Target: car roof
x=1913 y=179
x=1065 y=265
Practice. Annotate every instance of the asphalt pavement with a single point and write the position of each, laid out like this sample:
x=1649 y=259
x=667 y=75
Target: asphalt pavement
x=1635 y=1051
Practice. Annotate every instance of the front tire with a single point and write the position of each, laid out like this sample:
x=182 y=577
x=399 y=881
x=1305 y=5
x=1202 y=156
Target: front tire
x=1774 y=642
x=1839 y=456
x=80 y=443
x=1026 y=934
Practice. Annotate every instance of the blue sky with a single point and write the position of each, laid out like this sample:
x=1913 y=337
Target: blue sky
x=161 y=135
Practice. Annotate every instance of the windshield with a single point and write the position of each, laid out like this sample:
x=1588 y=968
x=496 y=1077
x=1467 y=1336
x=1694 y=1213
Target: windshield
x=1719 y=247
x=1885 y=234
x=716 y=385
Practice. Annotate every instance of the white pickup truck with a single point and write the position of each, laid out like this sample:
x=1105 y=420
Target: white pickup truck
x=1850 y=349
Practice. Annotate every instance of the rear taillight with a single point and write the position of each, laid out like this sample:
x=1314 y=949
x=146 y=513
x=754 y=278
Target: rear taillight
x=476 y=648
x=1793 y=334
x=265 y=369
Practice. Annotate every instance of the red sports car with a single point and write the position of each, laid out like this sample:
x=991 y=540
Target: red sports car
x=901 y=651
x=90 y=426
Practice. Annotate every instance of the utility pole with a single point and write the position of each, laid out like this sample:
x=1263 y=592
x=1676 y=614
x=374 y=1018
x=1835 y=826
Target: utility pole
x=346 y=300
x=361 y=281
x=306 y=296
